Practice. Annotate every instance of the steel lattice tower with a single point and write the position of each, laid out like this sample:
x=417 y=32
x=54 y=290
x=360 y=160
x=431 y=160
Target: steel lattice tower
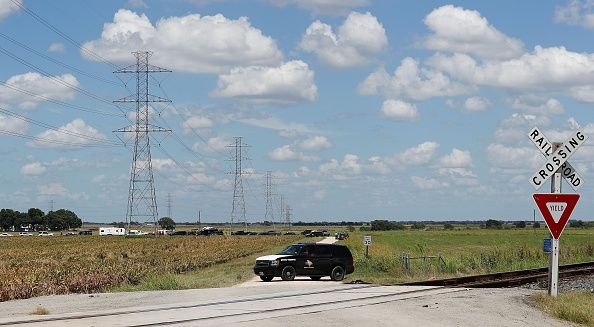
x=142 y=201
x=288 y=216
x=238 y=197
x=269 y=215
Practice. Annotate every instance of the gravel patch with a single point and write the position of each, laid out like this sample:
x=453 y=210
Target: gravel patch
x=566 y=285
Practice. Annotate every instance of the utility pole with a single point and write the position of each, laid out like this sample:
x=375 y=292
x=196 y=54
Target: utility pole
x=238 y=206
x=288 y=217
x=282 y=208
x=142 y=201
x=199 y=218
x=52 y=205
x=269 y=216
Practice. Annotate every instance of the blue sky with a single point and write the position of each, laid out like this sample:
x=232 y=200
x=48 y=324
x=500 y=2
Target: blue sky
x=361 y=109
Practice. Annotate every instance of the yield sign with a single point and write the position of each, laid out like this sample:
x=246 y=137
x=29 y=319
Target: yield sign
x=556 y=209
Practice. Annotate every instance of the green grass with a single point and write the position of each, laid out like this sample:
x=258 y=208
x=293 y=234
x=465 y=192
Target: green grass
x=577 y=307
x=465 y=251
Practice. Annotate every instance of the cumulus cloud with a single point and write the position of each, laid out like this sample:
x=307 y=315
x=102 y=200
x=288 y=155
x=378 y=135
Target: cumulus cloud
x=160 y=164
x=474 y=104
x=7 y=7
x=359 y=38
x=289 y=83
x=456 y=159
x=417 y=155
x=192 y=43
x=412 y=82
x=427 y=183
x=456 y=29
x=55 y=87
x=538 y=105
x=513 y=157
x=214 y=144
x=315 y=143
x=399 y=110
x=328 y=7
x=13 y=125
x=33 y=169
x=576 y=12
x=72 y=135
x=552 y=69
x=196 y=122
x=288 y=153
x=57 y=47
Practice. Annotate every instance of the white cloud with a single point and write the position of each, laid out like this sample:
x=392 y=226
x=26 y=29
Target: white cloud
x=502 y=156
x=72 y=135
x=315 y=143
x=538 y=105
x=38 y=84
x=57 y=47
x=98 y=179
x=214 y=144
x=350 y=165
x=411 y=82
x=7 y=7
x=13 y=125
x=456 y=159
x=427 y=183
x=399 y=110
x=33 y=169
x=192 y=43
x=359 y=38
x=465 y=31
x=576 y=13
x=196 y=122
x=320 y=194
x=418 y=155
x=290 y=83
x=288 y=153
x=288 y=129
x=284 y=153
x=552 y=69
x=514 y=128
x=136 y=4
x=162 y=164
x=474 y=104
x=52 y=189
x=332 y=7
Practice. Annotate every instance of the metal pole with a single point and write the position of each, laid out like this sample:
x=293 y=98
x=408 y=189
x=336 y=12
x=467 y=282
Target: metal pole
x=554 y=256
x=366 y=251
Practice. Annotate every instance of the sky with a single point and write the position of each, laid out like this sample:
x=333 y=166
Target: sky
x=361 y=109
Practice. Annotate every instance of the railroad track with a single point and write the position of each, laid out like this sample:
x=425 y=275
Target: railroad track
x=510 y=278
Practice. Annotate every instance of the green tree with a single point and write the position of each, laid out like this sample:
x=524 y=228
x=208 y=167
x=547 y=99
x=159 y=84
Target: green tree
x=536 y=224
x=418 y=225
x=577 y=224
x=379 y=225
x=7 y=218
x=63 y=219
x=448 y=226
x=166 y=223
x=36 y=216
x=520 y=224
x=493 y=224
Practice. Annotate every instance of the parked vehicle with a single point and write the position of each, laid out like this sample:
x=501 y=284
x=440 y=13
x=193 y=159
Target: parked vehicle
x=135 y=232
x=270 y=232
x=306 y=259
x=85 y=232
x=341 y=235
x=44 y=233
x=25 y=234
x=179 y=233
x=290 y=233
x=5 y=235
x=315 y=233
x=240 y=232
x=104 y=231
x=306 y=232
x=207 y=231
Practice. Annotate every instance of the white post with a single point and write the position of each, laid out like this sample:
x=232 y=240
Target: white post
x=554 y=256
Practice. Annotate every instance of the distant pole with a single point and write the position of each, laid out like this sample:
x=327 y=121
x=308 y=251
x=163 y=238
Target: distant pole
x=51 y=205
x=199 y=217
x=169 y=205
x=554 y=256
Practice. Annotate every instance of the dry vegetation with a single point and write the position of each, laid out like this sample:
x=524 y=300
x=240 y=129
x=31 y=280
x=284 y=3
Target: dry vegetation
x=34 y=266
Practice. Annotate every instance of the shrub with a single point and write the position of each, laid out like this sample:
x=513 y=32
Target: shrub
x=493 y=224
x=448 y=227
x=520 y=224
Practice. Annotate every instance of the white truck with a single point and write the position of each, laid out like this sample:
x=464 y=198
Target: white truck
x=112 y=231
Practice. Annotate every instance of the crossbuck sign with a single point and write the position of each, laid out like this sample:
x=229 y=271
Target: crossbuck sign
x=557 y=159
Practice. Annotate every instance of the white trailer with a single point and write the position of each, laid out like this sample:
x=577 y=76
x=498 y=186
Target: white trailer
x=112 y=231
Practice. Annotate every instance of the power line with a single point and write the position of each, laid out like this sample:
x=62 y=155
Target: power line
x=45 y=140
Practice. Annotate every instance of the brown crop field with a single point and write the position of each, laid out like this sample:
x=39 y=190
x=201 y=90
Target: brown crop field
x=34 y=266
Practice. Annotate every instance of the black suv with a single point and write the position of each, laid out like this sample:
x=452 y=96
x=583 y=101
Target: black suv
x=306 y=259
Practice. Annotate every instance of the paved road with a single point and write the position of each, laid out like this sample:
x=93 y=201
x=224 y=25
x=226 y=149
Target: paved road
x=306 y=281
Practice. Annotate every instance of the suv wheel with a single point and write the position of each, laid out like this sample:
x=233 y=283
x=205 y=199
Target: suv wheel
x=266 y=278
x=337 y=273
x=288 y=273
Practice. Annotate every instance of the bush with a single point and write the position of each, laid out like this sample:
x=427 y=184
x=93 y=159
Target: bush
x=418 y=225
x=493 y=224
x=577 y=224
x=448 y=227
x=520 y=224
x=382 y=225
x=536 y=224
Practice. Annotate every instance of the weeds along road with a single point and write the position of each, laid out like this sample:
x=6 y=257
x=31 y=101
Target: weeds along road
x=302 y=280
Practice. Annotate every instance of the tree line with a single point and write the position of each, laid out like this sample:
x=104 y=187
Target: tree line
x=36 y=219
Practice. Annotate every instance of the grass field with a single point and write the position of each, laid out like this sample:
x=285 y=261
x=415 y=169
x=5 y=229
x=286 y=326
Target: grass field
x=577 y=307
x=465 y=252
x=34 y=266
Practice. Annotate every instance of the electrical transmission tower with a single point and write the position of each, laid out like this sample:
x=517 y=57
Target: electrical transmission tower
x=142 y=201
x=238 y=209
x=269 y=216
x=169 y=205
x=288 y=216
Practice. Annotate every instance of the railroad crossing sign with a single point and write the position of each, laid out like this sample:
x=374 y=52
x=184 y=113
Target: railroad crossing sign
x=556 y=209
x=557 y=161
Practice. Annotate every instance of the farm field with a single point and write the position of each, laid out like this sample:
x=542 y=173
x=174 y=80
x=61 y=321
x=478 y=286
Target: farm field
x=35 y=266
x=465 y=252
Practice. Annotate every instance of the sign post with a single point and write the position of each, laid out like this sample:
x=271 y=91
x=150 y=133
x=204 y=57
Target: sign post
x=367 y=243
x=555 y=207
